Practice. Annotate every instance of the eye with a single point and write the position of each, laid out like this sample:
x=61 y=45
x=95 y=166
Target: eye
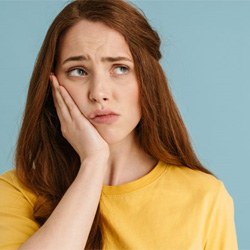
x=77 y=72
x=121 y=70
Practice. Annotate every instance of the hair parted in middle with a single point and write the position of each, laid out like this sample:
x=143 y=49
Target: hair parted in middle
x=45 y=161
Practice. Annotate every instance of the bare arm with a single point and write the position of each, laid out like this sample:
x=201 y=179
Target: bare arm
x=69 y=225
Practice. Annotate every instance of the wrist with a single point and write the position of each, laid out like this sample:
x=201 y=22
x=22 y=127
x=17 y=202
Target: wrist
x=95 y=156
x=96 y=165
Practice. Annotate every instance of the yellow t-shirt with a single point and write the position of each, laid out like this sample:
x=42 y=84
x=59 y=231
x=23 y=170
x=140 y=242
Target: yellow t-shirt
x=170 y=208
x=16 y=208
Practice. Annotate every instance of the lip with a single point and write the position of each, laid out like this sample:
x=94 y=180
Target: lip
x=104 y=116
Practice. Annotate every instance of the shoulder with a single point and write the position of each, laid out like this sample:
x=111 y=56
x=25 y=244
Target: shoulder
x=191 y=177
x=188 y=175
x=204 y=199
x=9 y=177
x=11 y=188
x=196 y=183
x=17 y=223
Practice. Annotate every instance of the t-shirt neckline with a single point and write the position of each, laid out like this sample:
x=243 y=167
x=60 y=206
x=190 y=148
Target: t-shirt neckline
x=136 y=184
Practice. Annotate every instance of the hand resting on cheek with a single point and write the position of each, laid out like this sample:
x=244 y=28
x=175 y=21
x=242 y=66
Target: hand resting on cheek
x=75 y=127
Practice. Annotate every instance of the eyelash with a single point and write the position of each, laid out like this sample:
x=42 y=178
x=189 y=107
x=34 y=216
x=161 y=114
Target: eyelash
x=76 y=68
x=113 y=68
x=123 y=67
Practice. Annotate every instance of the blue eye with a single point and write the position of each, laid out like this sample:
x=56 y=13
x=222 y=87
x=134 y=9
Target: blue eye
x=121 y=70
x=77 y=72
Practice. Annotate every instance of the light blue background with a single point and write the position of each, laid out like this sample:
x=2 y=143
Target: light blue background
x=206 y=54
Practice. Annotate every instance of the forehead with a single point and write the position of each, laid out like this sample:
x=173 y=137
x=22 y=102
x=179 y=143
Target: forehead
x=93 y=38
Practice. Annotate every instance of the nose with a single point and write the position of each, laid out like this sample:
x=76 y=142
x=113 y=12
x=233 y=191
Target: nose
x=99 y=91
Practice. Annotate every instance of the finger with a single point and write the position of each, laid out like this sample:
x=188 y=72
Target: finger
x=64 y=106
x=61 y=107
x=71 y=105
x=56 y=97
x=53 y=92
x=58 y=111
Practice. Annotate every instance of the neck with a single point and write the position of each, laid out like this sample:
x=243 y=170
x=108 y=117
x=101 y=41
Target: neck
x=127 y=162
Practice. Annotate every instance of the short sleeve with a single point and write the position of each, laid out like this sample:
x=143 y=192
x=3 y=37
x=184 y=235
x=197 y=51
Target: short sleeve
x=221 y=229
x=16 y=213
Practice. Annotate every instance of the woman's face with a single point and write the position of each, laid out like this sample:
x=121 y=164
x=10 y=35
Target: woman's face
x=97 y=69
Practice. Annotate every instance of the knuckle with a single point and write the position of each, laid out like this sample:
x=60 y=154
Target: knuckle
x=64 y=131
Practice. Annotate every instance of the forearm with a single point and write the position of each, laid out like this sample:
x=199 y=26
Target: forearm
x=69 y=225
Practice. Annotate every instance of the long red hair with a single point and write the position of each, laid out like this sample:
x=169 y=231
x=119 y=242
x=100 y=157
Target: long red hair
x=45 y=161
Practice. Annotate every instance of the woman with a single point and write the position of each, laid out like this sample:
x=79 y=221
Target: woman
x=103 y=158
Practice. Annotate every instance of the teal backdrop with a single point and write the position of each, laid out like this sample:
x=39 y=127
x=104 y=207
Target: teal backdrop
x=206 y=56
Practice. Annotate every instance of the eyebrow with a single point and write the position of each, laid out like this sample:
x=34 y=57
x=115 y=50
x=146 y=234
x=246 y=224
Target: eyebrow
x=103 y=59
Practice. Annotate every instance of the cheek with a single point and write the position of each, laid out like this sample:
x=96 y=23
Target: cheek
x=74 y=92
x=77 y=93
x=134 y=98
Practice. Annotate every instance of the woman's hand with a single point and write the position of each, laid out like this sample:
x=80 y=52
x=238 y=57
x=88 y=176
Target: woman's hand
x=76 y=129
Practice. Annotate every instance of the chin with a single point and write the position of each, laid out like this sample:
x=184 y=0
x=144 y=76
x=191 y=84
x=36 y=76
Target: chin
x=112 y=140
x=113 y=137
